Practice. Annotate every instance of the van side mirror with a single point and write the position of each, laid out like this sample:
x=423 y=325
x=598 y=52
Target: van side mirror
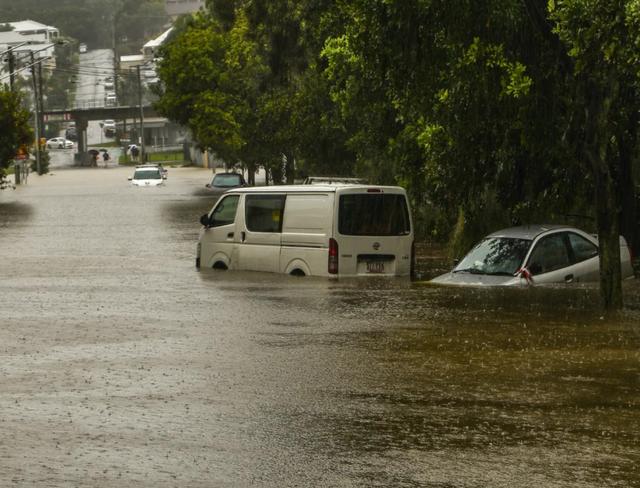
x=208 y=185
x=204 y=220
x=130 y=178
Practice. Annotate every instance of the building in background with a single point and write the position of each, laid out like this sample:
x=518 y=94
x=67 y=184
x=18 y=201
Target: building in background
x=40 y=39
x=175 y=8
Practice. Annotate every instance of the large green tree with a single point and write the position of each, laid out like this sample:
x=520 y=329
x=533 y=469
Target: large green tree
x=15 y=130
x=601 y=38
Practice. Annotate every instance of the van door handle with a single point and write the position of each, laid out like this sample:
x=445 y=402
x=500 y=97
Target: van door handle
x=568 y=278
x=230 y=235
x=243 y=236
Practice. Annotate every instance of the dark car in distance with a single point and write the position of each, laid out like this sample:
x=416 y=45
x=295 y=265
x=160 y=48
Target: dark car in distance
x=222 y=182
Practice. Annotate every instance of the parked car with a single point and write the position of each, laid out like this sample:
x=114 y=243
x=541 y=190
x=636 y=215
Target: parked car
x=71 y=134
x=109 y=127
x=147 y=175
x=110 y=99
x=59 y=143
x=330 y=230
x=535 y=254
x=222 y=182
x=82 y=48
x=163 y=171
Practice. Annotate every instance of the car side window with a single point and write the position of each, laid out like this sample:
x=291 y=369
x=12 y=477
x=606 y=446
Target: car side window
x=264 y=212
x=549 y=254
x=582 y=248
x=225 y=211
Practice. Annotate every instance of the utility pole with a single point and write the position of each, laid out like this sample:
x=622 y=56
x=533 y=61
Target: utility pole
x=37 y=112
x=142 y=151
x=12 y=66
x=41 y=99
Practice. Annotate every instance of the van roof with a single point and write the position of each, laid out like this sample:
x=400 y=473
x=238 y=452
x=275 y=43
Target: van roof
x=317 y=189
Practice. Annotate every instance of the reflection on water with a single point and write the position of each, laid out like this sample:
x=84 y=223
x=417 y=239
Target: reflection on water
x=416 y=385
x=13 y=218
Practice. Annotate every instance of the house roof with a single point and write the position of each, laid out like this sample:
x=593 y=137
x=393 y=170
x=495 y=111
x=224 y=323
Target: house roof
x=29 y=25
x=158 y=41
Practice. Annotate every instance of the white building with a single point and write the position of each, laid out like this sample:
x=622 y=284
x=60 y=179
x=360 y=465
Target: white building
x=150 y=49
x=29 y=37
x=176 y=8
x=29 y=27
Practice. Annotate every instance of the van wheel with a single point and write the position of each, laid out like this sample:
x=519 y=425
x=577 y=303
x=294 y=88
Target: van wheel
x=220 y=265
x=297 y=272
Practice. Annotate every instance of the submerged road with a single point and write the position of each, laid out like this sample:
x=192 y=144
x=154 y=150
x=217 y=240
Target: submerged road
x=121 y=365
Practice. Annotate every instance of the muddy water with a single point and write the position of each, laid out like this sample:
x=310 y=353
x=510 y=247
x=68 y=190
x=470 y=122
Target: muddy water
x=121 y=365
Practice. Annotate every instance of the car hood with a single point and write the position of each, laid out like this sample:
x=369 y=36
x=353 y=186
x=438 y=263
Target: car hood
x=469 y=279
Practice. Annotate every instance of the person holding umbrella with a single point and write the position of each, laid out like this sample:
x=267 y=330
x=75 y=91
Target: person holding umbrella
x=105 y=157
x=94 y=153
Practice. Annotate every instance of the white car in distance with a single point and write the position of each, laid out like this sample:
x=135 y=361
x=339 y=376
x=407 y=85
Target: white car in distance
x=147 y=176
x=59 y=143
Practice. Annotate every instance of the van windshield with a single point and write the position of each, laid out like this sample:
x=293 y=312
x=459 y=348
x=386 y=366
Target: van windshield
x=373 y=214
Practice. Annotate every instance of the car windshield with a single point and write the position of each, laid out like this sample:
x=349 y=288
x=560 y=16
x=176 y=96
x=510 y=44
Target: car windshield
x=495 y=256
x=147 y=174
x=226 y=180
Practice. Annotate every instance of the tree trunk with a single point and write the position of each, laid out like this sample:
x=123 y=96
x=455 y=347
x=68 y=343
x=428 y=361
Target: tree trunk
x=598 y=153
x=609 y=239
x=629 y=213
x=290 y=170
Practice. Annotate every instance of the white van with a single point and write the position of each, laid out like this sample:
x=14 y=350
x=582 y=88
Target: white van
x=313 y=230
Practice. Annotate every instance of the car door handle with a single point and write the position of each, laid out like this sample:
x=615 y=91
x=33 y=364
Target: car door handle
x=568 y=278
x=230 y=235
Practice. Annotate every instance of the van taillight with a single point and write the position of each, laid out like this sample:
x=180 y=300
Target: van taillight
x=333 y=256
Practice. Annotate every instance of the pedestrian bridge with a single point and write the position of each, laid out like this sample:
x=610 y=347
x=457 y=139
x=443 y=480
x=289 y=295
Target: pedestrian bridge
x=82 y=115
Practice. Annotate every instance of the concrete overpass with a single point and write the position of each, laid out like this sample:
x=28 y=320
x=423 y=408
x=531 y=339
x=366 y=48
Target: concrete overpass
x=82 y=116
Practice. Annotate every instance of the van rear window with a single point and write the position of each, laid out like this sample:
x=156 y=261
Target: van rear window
x=373 y=214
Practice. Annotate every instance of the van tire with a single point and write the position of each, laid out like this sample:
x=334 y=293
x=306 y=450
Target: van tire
x=220 y=265
x=297 y=272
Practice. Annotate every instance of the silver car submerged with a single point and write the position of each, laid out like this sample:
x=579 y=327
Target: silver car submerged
x=531 y=255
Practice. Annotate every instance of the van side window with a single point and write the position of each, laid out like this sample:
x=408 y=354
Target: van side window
x=225 y=211
x=264 y=212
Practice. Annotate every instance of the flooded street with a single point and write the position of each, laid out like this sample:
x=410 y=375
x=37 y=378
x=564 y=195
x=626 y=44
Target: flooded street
x=123 y=366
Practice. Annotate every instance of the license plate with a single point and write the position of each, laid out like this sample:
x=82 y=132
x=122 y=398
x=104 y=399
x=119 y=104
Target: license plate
x=375 y=267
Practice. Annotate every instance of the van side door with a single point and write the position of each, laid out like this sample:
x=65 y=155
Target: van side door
x=260 y=237
x=219 y=236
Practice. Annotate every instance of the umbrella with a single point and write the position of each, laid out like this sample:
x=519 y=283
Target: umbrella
x=95 y=152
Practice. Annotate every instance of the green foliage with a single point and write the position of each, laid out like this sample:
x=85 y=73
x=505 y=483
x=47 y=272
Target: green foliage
x=475 y=107
x=14 y=128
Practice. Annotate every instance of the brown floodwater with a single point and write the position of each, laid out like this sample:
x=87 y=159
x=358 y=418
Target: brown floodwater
x=122 y=365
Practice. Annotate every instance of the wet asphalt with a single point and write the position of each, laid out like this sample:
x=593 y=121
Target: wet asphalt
x=121 y=365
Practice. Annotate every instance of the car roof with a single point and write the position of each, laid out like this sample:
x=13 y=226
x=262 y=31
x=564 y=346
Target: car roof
x=529 y=232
